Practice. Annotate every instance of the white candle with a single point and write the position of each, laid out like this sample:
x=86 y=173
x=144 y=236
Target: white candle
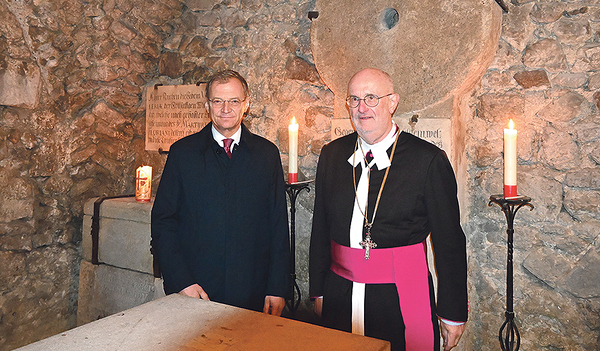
x=510 y=161
x=293 y=152
x=143 y=183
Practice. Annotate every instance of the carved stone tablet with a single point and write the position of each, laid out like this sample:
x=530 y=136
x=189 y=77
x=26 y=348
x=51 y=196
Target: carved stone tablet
x=173 y=112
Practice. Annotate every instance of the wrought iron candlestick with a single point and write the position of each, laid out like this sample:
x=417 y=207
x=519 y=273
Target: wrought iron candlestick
x=509 y=333
x=293 y=189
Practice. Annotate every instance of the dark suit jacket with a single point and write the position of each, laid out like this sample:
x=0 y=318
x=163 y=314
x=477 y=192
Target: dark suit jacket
x=222 y=223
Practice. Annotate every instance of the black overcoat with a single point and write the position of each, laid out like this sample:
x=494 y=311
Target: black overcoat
x=419 y=198
x=222 y=223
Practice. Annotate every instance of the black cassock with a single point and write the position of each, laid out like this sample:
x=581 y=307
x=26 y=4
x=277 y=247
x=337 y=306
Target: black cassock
x=222 y=223
x=419 y=198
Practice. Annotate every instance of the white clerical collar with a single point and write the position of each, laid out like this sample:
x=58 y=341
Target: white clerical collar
x=379 y=150
x=219 y=137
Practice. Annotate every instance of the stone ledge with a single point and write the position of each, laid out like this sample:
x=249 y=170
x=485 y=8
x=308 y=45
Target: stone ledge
x=126 y=208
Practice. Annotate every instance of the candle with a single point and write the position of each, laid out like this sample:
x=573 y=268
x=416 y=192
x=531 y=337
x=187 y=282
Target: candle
x=510 y=161
x=293 y=152
x=143 y=183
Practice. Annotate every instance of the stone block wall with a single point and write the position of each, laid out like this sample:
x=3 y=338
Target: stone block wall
x=545 y=76
x=72 y=119
x=75 y=130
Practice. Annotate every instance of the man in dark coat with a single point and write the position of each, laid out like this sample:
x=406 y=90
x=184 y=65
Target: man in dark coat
x=219 y=221
x=379 y=193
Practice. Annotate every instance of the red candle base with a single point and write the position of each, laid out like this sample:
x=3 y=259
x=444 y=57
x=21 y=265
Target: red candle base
x=510 y=191
x=292 y=178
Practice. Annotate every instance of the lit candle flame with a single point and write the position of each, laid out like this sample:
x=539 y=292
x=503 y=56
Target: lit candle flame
x=294 y=120
x=511 y=124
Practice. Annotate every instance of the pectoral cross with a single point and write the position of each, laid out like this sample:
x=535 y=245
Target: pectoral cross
x=367 y=243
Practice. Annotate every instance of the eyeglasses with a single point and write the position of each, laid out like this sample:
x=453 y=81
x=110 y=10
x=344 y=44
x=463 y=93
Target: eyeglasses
x=218 y=103
x=370 y=100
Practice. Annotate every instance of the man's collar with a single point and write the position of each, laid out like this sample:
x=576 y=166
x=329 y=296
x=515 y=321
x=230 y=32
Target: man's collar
x=219 y=137
x=379 y=150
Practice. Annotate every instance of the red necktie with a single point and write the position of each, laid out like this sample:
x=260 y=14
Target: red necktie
x=227 y=144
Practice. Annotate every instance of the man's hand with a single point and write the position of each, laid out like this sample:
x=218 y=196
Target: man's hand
x=274 y=305
x=319 y=305
x=451 y=334
x=196 y=291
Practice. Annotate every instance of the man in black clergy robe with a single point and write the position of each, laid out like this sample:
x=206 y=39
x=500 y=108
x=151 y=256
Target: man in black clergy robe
x=368 y=266
x=219 y=221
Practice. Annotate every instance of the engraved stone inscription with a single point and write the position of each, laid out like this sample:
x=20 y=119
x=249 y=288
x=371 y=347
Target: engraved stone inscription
x=437 y=131
x=173 y=112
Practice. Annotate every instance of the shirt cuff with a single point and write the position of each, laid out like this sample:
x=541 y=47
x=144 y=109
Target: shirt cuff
x=451 y=322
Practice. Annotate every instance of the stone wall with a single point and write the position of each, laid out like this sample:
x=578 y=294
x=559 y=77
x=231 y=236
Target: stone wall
x=545 y=76
x=72 y=118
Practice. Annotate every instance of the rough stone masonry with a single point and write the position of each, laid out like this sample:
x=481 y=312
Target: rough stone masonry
x=72 y=118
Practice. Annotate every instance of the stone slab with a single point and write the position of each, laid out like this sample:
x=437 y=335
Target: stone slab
x=432 y=49
x=584 y=280
x=177 y=322
x=126 y=208
x=105 y=290
x=124 y=234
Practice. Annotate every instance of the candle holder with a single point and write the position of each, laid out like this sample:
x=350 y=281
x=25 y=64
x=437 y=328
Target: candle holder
x=509 y=333
x=293 y=189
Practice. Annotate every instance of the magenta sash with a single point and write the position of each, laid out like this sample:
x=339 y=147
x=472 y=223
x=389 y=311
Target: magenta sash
x=406 y=266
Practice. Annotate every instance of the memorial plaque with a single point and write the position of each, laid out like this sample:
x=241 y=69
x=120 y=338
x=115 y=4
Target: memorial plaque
x=341 y=127
x=173 y=112
x=437 y=131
